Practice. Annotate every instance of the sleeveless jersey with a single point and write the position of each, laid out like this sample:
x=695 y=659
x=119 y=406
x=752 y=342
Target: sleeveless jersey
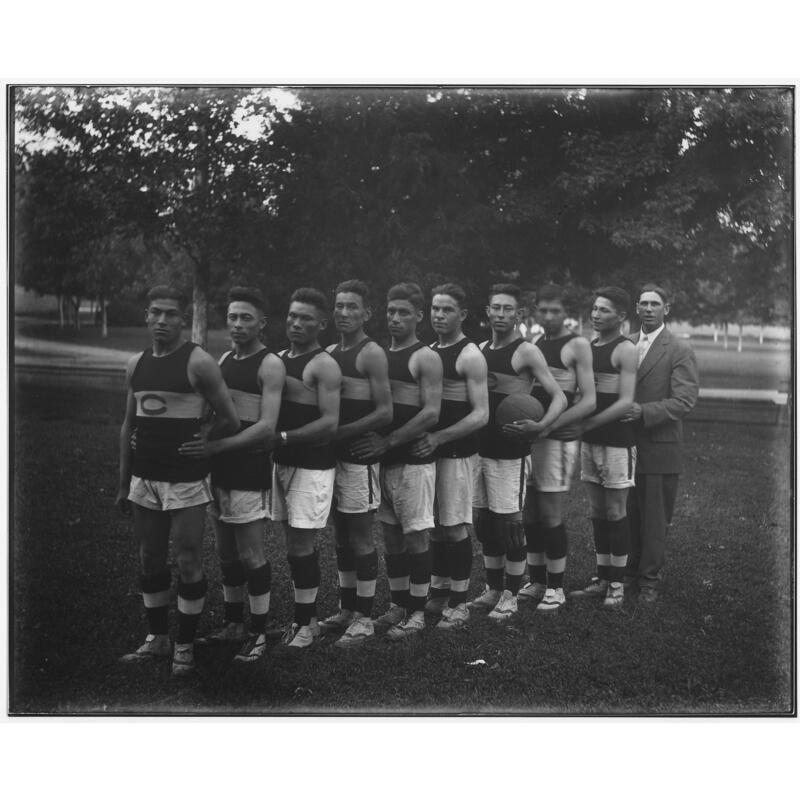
x=455 y=403
x=503 y=381
x=247 y=470
x=168 y=413
x=299 y=406
x=565 y=377
x=356 y=397
x=406 y=403
x=606 y=380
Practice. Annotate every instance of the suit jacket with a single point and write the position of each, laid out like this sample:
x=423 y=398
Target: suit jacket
x=666 y=389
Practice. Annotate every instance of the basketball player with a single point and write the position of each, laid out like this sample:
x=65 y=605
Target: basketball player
x=241 y=473
x=366 y=405
x=513 y=365
x=408 y=481
x=169 y=386
x=304 y=457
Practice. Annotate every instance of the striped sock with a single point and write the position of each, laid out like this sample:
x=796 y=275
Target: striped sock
x=346 y=564
x=191 y=599
x=556 y=539
x=602 y=548
x=440 y=580
x=419 y=565
x=535 y=555
x=366 y=576
x=155 y=595
x=618 y=536
x=305 y=577
x=460 y=569
x=259 y=585
x=397 y=570
x=233 y=586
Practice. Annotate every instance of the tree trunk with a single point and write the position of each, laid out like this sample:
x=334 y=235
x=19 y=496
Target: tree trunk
x=200 y=304
x=61 y=320
x=716 y=332
x=76 y=305
x=761 y=334
x=739 y=345
x=104 y=317
x=725 y=334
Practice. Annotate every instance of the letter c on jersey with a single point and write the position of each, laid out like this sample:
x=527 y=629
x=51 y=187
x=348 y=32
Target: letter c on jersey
x=153 y=405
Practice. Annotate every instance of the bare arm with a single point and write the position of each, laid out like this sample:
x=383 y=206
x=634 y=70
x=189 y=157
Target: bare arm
x=580 y=356
x=205 y=376
x=375 y=366
x=472 y=366
x=121 y=501
x=624 y=358
x=326 y=376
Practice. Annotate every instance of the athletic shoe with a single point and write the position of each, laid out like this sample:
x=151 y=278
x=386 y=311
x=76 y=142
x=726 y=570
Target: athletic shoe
x=553 y=600
x=299 y=636
x=254 y=648
x=340 y=621
x=394 y=616
x=183 y=660
x=229 y=633
x=359 y=631
x=532 y=591
x=505 y=608
x=488 y=599
x=596 y=589
x=155 y=646
x=614 y=595
x=453 y=618
x=436 y=606
x=413 y=623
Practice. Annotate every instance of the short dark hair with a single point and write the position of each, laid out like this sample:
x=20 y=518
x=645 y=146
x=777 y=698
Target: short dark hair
x=247 y=294
x=407 y=291
x=552 y=292
x=506 y=288
x=619 y=297
x=311 y=296
x=164 y=292
x=654 y=287
x=355 y=287
x=451 y=290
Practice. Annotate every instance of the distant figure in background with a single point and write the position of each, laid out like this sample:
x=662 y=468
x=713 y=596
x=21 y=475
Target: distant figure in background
x=666 y=391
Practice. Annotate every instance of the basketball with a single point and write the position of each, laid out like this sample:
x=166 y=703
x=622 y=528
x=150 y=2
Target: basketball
x=516 y=407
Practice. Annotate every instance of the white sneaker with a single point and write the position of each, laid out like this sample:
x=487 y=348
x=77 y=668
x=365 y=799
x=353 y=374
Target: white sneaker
x=553 y=600
x=488 y=599
x=413 y=623
x=532 y=591
x=357 y=633
x=299 y=636
x=254 y=649
x=155 y=646
x=183 y=660
x=454 y=618
x=340 y=621
x=615 y=595
x=394 y=616
x=506 y=607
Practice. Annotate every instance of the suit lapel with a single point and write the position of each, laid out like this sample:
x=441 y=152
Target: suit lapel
x=656 y=352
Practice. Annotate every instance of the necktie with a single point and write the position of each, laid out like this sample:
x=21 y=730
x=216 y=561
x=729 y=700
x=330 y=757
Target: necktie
x=644 y=345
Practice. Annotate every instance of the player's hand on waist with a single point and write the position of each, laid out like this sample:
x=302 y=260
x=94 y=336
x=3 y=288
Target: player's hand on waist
x=369 y=445
x=425 y=445
x=199 y=447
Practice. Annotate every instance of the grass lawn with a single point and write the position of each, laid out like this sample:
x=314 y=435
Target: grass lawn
x=718 y=642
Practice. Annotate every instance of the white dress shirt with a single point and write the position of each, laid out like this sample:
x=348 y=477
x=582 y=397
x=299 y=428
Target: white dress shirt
x=646 y=339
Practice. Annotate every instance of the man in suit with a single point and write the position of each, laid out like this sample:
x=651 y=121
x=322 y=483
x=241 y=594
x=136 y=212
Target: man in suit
x=666 y=391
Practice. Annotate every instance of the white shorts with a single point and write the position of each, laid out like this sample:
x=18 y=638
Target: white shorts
x=302 y=497
x=166 y=496
x=238 y=506
x=407 y=492
x=501 y=484
x=357 y=487
x=553 y=464
x=455 y=482
x=611 y=467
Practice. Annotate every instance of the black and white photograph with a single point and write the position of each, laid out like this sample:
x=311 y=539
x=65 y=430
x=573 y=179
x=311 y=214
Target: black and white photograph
x=322 y=392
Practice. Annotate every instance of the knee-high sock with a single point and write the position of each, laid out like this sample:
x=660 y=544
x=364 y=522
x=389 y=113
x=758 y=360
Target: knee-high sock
x=233 y=584
x=618 y=536
x=536 y=545
x=155 y=594
x=366 y=575
x=346 y=564
x=602 y=548
x=191 y=599
x=440 y=575
x=259 y=585
x=397 y=570
x=494 y=548
x=515 y=557
x=556 y=539
x=305 y=576
x=419 y=566
x=460 y=569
